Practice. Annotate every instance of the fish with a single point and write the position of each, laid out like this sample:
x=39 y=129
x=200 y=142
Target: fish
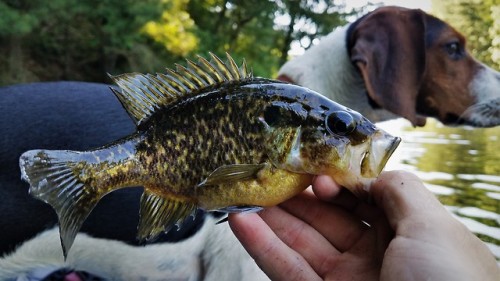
x=209 y=135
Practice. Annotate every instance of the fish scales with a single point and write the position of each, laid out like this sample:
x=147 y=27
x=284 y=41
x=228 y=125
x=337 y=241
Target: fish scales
x=209 y=139
x=210 y=136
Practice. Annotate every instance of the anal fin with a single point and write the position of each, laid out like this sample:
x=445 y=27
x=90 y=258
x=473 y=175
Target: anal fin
x=159 y=213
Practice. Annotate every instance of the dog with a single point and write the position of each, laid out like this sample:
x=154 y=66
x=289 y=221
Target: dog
x=393 y=62
x=398 y=62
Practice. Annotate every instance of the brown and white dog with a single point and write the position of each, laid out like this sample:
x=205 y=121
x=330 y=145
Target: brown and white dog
x=401 y=62
x=392 y=62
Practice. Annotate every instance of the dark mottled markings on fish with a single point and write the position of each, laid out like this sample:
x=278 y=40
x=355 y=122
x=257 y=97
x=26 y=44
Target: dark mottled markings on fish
x=194 y=140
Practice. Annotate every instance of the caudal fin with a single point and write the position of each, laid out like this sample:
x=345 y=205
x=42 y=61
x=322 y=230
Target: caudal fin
x=54 y=179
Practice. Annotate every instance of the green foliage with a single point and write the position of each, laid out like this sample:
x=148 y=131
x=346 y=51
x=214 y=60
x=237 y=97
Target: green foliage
x=15 y=22
x=71 y=39
x=84 y=40
x=479 y=21
x=172 y=31
x=242 y=28
x=308 y=20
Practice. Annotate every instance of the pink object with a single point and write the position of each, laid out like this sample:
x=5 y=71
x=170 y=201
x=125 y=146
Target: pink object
x=72 y=277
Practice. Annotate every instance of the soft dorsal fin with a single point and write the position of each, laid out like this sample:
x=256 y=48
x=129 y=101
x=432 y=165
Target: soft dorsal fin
x=143 y=94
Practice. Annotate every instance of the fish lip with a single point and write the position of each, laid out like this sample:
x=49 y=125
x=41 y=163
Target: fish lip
x=377 y=154
x=391 y=148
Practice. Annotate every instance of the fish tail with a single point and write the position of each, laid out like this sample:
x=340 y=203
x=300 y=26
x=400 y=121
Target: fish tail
x=55 y=180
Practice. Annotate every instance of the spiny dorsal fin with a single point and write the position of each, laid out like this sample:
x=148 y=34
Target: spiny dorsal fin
x=143 y=94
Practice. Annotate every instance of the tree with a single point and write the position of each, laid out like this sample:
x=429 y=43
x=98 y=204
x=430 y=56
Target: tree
x=173 y=30
x=309 y=20
x=242 y=28
x=250 y=28
x=84 y=40
x=72 y=40
x=479 y=21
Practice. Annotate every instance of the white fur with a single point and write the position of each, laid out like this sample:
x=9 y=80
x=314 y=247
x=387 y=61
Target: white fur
x=327 y=69
x=486 y=84
x=213 y=253
x=485 y=87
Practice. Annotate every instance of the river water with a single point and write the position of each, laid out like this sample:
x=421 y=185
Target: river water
x=460 y=165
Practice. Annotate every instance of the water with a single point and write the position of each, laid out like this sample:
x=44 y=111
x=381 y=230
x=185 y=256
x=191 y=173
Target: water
x=461 y=166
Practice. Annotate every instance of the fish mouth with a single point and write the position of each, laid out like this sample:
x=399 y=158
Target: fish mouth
x=390 y=150
x=365 y=162
x=380 y=150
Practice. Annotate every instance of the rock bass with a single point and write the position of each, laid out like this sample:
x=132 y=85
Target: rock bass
x=210 y=135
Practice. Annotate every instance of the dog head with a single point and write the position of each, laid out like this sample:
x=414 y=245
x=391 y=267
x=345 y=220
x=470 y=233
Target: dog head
x=413 y=65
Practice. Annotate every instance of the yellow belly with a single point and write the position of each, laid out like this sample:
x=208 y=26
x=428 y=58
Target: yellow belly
x=271 y=187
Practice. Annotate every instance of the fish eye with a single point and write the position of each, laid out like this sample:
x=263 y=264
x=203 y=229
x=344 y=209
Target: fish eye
x=340 y=123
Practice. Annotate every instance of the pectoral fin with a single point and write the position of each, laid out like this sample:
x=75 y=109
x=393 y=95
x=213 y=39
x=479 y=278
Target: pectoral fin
x=229 y=173
x=159 y=213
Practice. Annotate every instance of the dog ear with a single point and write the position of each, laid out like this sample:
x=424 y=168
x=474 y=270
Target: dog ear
x=388 y=47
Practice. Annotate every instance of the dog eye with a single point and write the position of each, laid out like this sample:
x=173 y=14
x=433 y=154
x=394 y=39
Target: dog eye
x=340 y=123
x=454 y=50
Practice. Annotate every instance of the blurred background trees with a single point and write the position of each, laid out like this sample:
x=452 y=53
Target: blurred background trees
x=84 y=40
x=479 y=21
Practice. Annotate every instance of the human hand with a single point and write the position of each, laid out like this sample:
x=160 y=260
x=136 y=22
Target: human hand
x=321 y=235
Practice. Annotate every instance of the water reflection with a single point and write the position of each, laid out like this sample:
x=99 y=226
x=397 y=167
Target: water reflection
x=461 y=166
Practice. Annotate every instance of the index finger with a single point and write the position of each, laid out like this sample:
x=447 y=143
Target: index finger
x=272 y=255
x=403 y=195
x=325 y=188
